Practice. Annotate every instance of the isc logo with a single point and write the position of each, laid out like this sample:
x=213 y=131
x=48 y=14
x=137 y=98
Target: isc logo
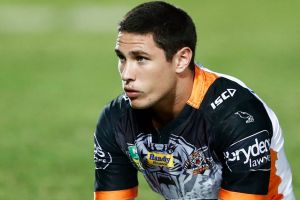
x=225 y=95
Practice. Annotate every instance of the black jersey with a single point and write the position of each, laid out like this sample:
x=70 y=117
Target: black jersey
x=226 y=143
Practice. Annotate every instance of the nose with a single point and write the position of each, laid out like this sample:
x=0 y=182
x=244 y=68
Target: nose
x=127 y=72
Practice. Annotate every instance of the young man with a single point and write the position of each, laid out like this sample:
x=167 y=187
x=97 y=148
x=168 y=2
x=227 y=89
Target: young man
x=192 y=133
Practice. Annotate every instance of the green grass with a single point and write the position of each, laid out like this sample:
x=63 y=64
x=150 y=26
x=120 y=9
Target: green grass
x=55 y=81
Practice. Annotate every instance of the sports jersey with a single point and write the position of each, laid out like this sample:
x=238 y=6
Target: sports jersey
x=225 y=144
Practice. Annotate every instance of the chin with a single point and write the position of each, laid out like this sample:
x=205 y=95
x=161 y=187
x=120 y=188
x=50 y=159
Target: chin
x=137 y=104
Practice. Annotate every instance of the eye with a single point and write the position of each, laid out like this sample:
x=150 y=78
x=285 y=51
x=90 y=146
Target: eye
x=141 y=59
x=122 y=59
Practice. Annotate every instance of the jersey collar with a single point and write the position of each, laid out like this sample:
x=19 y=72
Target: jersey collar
x=202 y=81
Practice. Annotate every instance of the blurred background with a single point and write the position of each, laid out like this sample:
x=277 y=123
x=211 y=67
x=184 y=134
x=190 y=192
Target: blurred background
x=58 y=70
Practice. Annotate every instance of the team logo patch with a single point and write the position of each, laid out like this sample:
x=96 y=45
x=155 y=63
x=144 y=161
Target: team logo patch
x=244 y=115
x=102 y=158
x=198 y=162
x=160 y=159
x=250 y=153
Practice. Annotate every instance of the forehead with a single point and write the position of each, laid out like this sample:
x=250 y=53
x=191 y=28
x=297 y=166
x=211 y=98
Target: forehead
x=128 y=41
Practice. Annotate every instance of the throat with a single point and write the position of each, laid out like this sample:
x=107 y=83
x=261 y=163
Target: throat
x=171 y=105
x=159 y=122
x=162 y=117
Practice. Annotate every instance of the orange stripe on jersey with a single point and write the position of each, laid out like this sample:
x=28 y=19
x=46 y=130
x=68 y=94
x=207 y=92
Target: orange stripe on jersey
x=202 y=82
x=229 y=195
x=274 y=179
x=116 y=195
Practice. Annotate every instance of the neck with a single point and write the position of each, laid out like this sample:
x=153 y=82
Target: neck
x=174 y=103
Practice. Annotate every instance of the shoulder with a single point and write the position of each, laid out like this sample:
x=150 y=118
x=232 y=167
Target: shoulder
x=115 y=109
x=234 y=111
x=117 y=106
x=109 y=119
x=224 y=94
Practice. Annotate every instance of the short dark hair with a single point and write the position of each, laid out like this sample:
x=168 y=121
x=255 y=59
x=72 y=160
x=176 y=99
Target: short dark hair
x=172 y=28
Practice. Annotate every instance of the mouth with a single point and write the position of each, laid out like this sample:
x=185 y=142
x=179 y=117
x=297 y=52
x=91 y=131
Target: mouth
x=132 y=94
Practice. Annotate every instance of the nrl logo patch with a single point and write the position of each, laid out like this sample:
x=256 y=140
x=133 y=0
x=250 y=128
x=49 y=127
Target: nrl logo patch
x=134 y=157
x=160 y=159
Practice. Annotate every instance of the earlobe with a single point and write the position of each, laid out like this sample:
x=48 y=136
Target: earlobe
x=183 y=59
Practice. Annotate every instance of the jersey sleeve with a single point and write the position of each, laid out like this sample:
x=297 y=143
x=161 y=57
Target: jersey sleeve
x=243 y=147
x=115 y=177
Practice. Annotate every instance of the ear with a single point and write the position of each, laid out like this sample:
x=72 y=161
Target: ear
x=182 y=59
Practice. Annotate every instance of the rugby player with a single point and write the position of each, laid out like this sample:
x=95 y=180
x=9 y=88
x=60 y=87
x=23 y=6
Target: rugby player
x=192 y=133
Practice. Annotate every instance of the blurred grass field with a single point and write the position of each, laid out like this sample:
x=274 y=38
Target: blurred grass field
x=58 y=70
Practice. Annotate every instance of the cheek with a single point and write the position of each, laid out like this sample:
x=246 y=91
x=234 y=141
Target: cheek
x=120 y=67
x=157 y=77
x=163 y=83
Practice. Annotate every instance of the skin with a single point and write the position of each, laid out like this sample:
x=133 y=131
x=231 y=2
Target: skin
x=149 y=80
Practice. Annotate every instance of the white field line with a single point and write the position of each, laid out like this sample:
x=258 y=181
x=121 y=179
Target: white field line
x=35 y=19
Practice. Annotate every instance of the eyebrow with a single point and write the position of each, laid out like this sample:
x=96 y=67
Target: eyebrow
x=132 y=53
x=138 y=53
x=118 y=52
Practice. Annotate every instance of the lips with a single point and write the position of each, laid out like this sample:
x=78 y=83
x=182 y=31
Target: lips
x=132 y=94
